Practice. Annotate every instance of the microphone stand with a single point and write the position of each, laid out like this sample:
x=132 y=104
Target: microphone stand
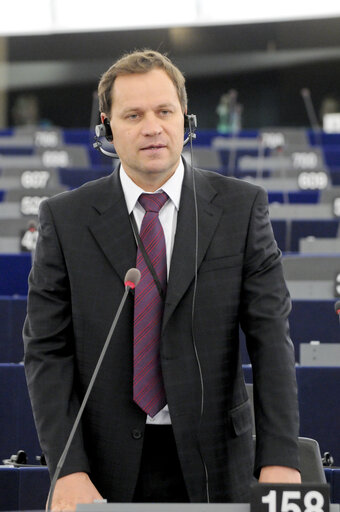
x=130 y=282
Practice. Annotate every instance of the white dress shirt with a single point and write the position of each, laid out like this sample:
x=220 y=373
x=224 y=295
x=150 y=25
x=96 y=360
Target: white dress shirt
x=168 y=220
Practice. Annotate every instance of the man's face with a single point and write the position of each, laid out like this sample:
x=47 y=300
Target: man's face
x=148 y=126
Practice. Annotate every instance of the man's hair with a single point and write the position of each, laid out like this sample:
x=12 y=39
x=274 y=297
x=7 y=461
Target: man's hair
x=139 y=62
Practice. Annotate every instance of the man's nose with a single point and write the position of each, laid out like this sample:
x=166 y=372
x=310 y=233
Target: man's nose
x=151 y=126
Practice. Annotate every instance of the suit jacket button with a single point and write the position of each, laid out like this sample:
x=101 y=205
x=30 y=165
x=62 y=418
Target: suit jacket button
x=136 y=434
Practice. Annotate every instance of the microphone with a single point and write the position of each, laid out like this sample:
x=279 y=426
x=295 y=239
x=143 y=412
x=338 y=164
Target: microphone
x=131 y=280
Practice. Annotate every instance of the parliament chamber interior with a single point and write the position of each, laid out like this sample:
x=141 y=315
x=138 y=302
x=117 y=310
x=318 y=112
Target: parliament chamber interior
x=302 y=181
x=299 y=167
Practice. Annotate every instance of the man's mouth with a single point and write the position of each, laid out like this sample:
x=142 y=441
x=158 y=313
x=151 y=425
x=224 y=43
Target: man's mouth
x=153 y=147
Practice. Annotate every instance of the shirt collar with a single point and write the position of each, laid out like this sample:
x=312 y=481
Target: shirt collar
x=172 y=187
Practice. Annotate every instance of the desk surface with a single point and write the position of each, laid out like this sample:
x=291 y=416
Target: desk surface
x=173 y=507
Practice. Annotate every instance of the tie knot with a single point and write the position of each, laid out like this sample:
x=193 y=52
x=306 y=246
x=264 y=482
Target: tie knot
x=153 y=202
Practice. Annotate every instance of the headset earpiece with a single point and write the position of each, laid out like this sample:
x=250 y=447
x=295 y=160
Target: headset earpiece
x=108 y=131
x=190 y=125
x=104 y=130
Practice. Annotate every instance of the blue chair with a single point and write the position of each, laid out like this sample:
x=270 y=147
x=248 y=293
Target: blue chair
x=280 y=233
x=18 y=430
x=14 y=270
x=313 y=320
x=9 y=488
x=318 y=228
x=23 y=488
x=319 y=405
x=12 y=315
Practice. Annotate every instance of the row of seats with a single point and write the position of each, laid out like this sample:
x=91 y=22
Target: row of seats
x=309 y=320
x=299 y=169
x=319 y=416
x=319 y=405
x=292 y=234
x=268 y=153
x=311 y=276
x=35 y=164
x=35 y=141
x=18 y=182
x=38 y=164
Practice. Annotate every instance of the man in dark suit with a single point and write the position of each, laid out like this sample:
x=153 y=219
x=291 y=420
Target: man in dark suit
x=197 y=445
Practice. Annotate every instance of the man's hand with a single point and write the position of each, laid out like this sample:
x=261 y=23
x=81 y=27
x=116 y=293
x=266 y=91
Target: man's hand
x=73 y=489
x=279 y=475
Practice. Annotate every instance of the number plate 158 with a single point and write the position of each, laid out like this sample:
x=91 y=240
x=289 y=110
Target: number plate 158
x=290 y=498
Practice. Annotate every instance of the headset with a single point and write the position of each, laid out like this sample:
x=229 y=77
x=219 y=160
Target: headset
x=103 y=130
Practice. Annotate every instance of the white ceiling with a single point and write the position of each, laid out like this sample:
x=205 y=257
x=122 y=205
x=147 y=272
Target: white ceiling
x=24 y=17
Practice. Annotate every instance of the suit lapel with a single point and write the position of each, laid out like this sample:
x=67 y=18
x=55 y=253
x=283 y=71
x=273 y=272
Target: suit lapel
x=182 y=268
x=111 y=228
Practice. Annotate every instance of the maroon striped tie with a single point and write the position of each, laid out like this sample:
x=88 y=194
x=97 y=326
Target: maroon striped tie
x=148 y=387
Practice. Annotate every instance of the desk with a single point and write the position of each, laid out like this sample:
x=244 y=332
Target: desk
x=333 y=478
x=27 y=488
x=12 y=316
x=23 y=488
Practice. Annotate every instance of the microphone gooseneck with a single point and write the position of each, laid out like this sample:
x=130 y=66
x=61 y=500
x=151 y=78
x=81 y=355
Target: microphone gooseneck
x=131 y=280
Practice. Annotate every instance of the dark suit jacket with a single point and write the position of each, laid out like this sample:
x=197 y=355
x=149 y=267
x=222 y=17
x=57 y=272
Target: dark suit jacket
x=85 y=247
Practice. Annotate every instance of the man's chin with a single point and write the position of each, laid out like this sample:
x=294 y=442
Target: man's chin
x=159 y=166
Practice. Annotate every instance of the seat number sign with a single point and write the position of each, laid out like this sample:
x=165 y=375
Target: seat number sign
x=290 y=498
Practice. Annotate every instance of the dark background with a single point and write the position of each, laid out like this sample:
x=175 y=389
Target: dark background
x=267 y=64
